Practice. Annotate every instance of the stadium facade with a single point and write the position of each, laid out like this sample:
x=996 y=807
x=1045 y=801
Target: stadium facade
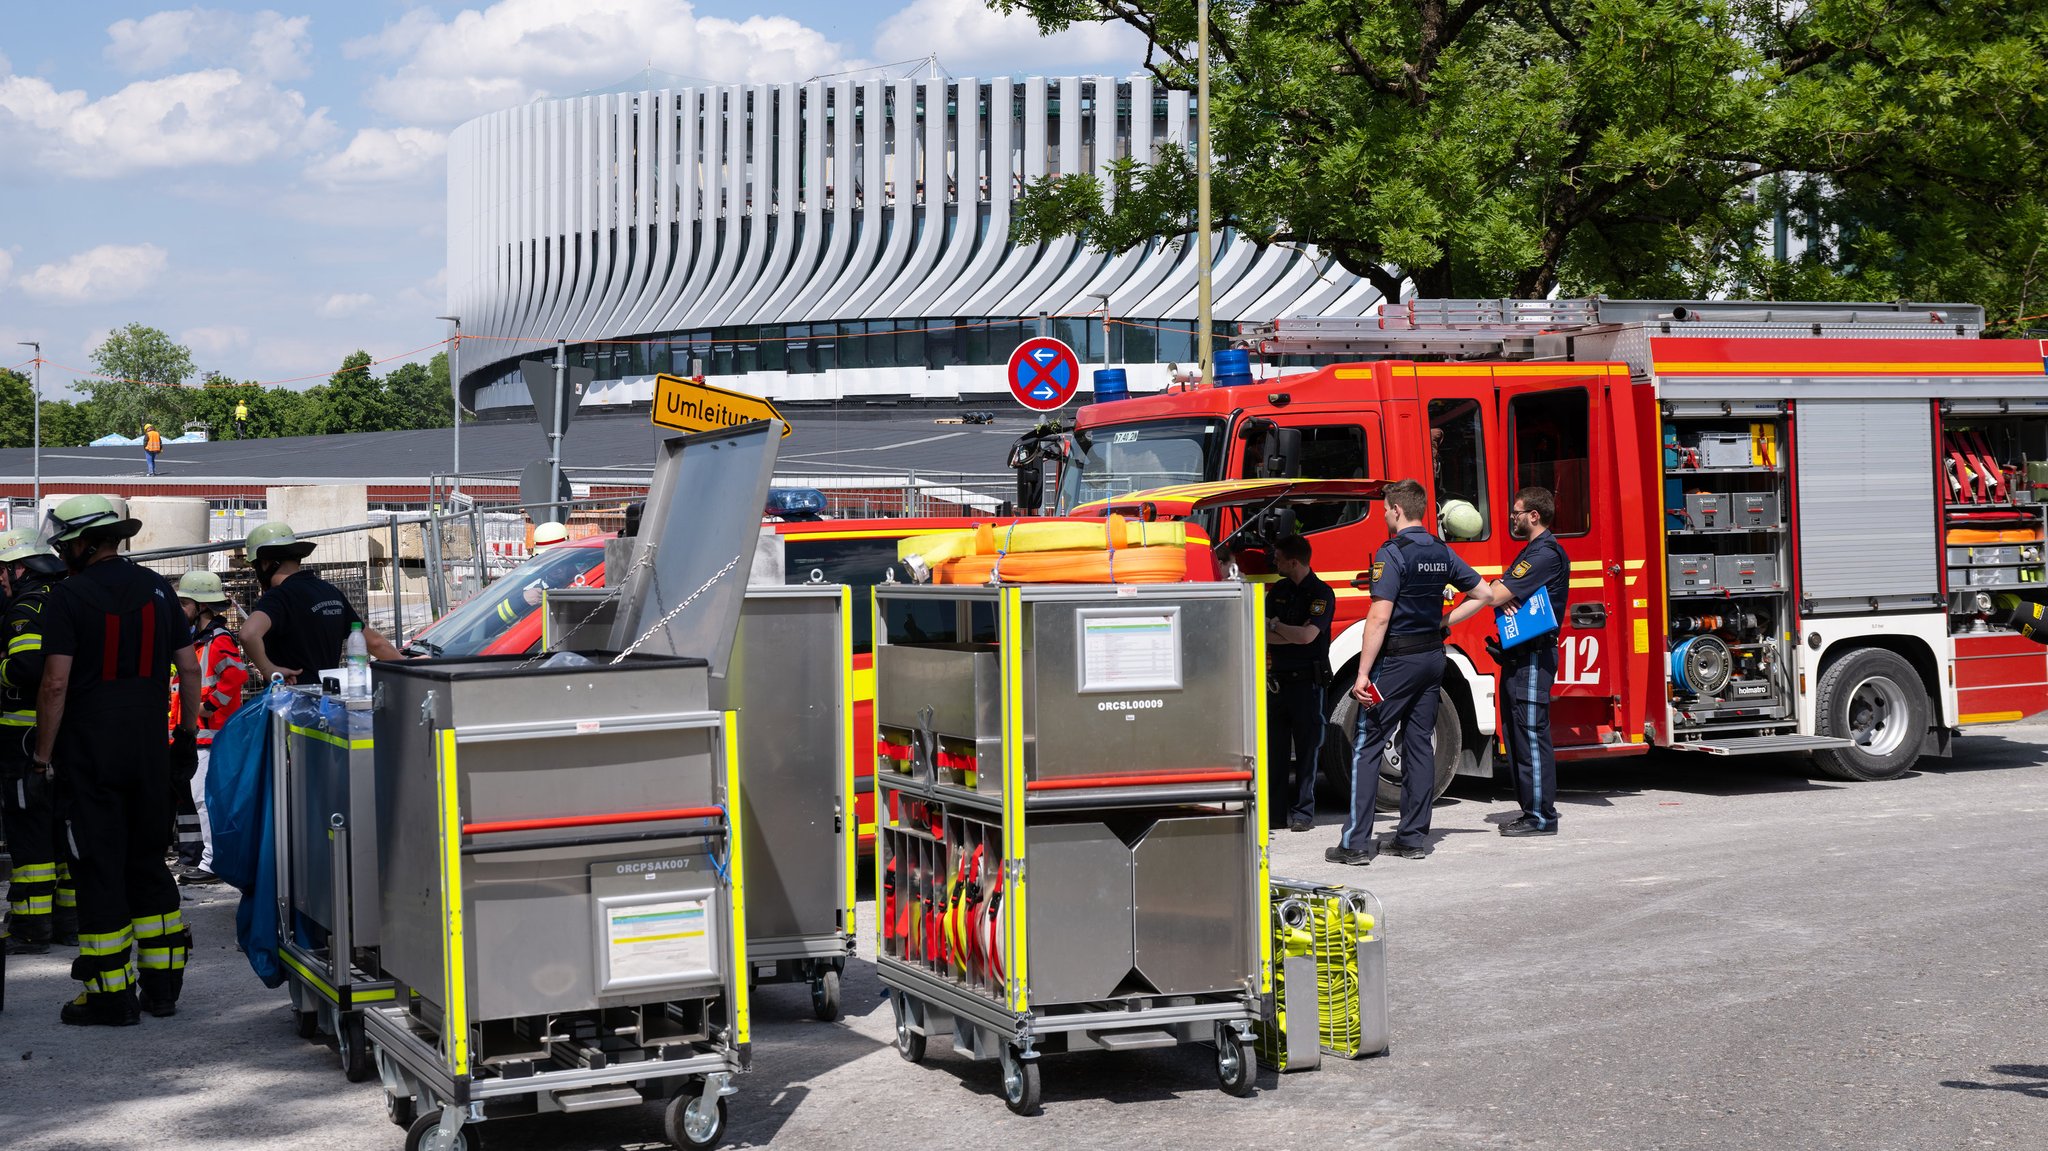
x=829 y=240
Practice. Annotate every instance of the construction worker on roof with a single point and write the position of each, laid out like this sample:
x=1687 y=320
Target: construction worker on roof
x=111 y=634
x=299 y=625
x=241 y=419
x=42 y=906
x=152 y=444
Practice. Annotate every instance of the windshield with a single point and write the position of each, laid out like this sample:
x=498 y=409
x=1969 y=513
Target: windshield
x=1123 y=459
x=484 y=618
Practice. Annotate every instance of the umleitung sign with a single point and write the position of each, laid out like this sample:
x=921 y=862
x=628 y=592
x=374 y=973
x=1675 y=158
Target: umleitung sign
x=683 y=404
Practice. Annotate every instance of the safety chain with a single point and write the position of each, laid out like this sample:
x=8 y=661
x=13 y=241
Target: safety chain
x=676 y=610
x=613 y=590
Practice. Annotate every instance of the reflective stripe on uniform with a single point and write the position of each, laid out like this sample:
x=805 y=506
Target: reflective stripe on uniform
x=17 y=719
x=102 y=944
x=35 y=873
x=111 y=980
x=22 y=903
x=151 y=926
x=26 y=641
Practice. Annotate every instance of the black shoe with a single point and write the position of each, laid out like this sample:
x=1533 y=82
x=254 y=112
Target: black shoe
x=1348 y=858
x=115 y=1010
x=194 y=876
x=1404 y=851
x=161 y=1008
x=1302 y=825
x=28 y=935
x=1526 y=826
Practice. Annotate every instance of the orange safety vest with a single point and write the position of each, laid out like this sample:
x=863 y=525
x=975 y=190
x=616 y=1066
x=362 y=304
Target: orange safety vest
x=152 y=441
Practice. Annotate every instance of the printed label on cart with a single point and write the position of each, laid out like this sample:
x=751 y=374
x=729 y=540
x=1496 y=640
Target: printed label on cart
x=654 y=941
x=1127 y=648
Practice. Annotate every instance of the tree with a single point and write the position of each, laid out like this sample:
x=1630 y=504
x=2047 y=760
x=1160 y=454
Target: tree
x=147 y=371
x=419 y=393
x=17 y=407
x=355 y=400
x=1633 y=147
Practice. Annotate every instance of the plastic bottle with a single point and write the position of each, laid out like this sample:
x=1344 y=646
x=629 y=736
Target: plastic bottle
x=355 y=669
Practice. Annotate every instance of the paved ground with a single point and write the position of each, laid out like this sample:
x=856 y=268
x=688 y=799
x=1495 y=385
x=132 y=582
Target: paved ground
x=1715 y=954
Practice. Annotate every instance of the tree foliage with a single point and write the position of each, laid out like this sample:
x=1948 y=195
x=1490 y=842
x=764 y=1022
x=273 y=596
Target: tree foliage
x=1630 y=147
x=155 y=384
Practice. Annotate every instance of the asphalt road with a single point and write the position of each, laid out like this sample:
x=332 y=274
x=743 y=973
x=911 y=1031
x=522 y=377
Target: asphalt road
x=1714 y=954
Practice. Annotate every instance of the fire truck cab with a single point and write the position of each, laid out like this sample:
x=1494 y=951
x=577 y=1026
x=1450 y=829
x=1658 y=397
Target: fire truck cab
x=1791 y=529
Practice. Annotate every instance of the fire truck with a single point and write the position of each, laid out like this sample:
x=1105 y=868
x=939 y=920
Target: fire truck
x=1796 y=529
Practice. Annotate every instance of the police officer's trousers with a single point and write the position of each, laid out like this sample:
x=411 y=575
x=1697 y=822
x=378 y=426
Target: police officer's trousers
x=1294 y=745
x=1526 y=682
x=1409 y=689
x=40 y=889
x=113 y=804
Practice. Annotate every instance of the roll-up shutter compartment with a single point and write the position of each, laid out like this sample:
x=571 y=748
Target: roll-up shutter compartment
x=1866 y=514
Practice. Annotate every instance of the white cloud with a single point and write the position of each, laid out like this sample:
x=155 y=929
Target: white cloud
x=266 y=44
x=218 y=116
x=515 y=50
x=429 y=295
x=215 y=341
x=108 y=272
x=971 y=39
x=383 y=156
x=342 y=304
x=6 y=265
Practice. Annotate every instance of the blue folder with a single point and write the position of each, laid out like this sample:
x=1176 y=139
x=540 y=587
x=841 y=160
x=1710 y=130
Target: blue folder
x=1536 y=617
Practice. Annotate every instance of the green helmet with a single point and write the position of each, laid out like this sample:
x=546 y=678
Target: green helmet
x=20 y=544
x=201 y=587
x=93 y=513
x=278 y=540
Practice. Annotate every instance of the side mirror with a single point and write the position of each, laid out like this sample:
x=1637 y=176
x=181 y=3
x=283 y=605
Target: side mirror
x=1031 y=486
x=1277 y=525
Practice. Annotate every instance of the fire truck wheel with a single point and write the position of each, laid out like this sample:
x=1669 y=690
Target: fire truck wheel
x=1874 y=698
x=1336 y=755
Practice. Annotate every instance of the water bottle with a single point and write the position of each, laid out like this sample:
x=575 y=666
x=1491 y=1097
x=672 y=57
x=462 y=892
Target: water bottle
x=355 y=665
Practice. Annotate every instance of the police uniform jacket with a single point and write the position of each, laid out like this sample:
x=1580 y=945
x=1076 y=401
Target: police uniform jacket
x=1412 y=570
x=1309 y=603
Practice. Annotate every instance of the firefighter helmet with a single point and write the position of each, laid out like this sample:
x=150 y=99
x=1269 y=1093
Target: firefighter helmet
x=548 y=533
x=1461 y=521
x=201 y=587
x=276 y=541
x=20 y=544
x=91 y=513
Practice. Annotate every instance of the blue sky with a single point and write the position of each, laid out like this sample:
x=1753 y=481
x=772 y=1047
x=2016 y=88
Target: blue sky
x=265 y=182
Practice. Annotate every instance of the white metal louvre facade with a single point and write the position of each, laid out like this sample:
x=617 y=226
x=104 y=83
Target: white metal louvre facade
x=822 y=241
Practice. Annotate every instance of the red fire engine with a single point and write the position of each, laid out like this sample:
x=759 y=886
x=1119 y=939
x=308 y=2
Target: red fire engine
x=1792 y=529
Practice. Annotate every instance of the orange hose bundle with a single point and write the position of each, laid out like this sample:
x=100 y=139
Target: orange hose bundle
x=1122 y=565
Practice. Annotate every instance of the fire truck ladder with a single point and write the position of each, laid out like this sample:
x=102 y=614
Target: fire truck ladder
x=1533 y=329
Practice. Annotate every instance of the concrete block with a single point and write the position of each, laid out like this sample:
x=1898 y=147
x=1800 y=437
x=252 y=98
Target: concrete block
x=314 y=507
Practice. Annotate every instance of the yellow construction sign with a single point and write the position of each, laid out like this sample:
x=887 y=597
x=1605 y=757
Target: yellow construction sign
x=687 y=404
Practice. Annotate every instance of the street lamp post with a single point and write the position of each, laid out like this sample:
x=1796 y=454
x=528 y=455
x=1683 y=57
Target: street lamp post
x=1104 y=297
x=36 y=444
x=455 y=391
x=1204 y=323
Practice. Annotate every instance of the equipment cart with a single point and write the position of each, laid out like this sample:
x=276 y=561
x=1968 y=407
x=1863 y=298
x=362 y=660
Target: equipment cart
x=561 y=858
x=1072 y=851
x=324 y=808
x=791 y=681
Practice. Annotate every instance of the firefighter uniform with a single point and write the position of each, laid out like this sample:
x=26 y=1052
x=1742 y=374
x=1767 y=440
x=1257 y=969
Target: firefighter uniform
x=223 y=674
x=120 y=624
x=41 y=904
x=1410 y=570
x=1528 y=673
x=1294 y=704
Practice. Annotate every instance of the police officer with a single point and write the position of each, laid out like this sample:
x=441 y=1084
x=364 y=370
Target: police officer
x=298 y=626
x=1400 y=668
x=111 y=635
x=1529 y=670
x=1298 y=611
x=42 y=905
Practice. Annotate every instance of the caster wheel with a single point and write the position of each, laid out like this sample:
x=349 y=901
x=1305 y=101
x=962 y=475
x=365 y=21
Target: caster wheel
x=356 y=1060
x=1020 y=1082
x=825 y=996
x=306 y=1024
x=909 y=1043
x=687 y=1122
x=466 y=1139
x=1236 y=1071
x=401 y=1109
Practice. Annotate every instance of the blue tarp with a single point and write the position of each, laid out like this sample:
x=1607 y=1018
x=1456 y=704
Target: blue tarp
x=238 y=776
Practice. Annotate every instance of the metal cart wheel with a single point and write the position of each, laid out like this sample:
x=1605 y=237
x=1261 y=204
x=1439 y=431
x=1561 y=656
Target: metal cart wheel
x=468 y=1138
x=825 y=996
x=1020 y=1081
x=401 y=1109
x=909 y=1043
x=1236 y=1071
x=688 y=1122
x=354 y=1046
x=306 y=1024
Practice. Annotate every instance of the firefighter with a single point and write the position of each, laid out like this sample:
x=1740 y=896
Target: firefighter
x=1529 y=671
x=111 y=635
x=1400 y=668
x=152 y=444
x=300 y=623
x=1299 y=608
x=223 y=674
x=42 y=906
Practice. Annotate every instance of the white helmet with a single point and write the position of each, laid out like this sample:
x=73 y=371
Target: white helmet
x=549 y=533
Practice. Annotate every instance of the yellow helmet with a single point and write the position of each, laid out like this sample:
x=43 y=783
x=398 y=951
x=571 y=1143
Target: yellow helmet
x=201 y=587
